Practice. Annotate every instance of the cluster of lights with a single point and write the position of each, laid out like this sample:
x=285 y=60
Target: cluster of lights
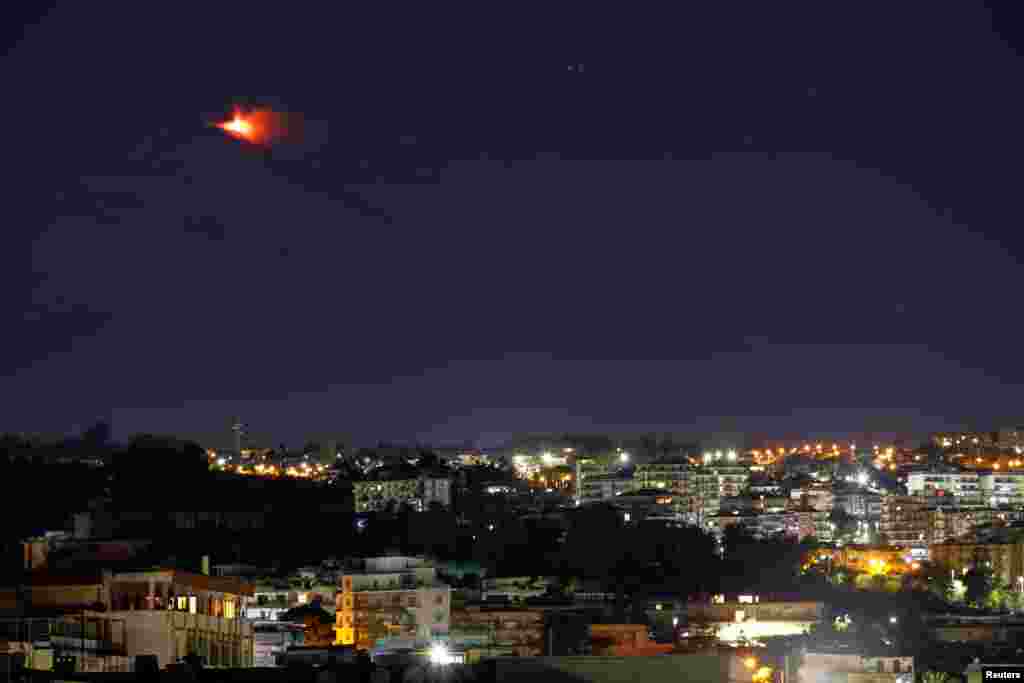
x=982 y=463
x=439 y=655
x=712 y=456
x=303 y=471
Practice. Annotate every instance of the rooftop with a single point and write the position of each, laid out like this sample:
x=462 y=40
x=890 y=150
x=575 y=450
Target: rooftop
x=223 y=584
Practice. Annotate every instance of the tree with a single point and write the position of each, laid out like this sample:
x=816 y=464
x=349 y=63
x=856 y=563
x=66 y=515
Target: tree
x=980 y=583
x=567 y=585
x=934 y=677
x=999 y=594
x=1015 y=600
x=97 y=436
x=153 y=464
x=938 y=579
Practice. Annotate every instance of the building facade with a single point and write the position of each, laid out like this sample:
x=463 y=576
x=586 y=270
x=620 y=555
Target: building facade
x=946 y=488
x=598 y=487
x=666 y=475
x=167 y=613
x=904 y=521
x=391 y=597
x=587 y=468
x=500 y=630
x=706 y=487
x=1002 y=489
x=419 y=492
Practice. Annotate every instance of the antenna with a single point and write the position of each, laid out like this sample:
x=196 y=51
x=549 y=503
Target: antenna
x=238 y=429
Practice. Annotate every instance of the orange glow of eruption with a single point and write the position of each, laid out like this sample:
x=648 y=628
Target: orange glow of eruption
x=238 y=126
x=259 y=126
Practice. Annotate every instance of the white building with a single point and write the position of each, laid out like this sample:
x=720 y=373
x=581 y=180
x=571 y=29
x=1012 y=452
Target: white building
x=399 y=596
x=167 y=613
x=1000 y=489
x=398 y=486
x=946 y=488
x=670 y=476
x=585 y=469
x=604 y=487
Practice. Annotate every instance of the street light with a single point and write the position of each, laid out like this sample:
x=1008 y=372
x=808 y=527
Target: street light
x=439 y=654
x=624 y=457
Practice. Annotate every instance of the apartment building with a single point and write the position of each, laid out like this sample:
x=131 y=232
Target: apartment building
x=948 y=524
x=707 y=486
x=668 y=475
x=860 y=504
x=1002 y=489
x=586 y=468
x=801 y=523
x=817 y=497
x=946 y=488
x=395 y=486
x=500 y=630
x=599 y=487
x=392 y=596
x=761 y=525
x=904 y=521
x=162 y=612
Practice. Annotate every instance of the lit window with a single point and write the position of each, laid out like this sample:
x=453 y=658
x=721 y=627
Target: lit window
x=193 y=604
x=229 y=609
x=183 y=603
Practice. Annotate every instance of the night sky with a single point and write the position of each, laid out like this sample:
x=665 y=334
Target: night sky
x=785 y=218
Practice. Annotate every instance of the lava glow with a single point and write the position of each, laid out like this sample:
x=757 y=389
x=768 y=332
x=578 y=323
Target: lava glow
x=238 y=126
x=244 y=126
x=261 y=126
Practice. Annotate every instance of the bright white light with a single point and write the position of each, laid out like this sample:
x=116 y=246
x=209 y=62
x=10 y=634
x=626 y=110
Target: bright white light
x=731 y=455
x=624 y=457
x=439 y=654
x=862 y=478
x=675 y=621
x=222 y=462
x=718 y=455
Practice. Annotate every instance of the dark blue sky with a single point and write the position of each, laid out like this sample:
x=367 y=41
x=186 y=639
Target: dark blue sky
x=762 y=221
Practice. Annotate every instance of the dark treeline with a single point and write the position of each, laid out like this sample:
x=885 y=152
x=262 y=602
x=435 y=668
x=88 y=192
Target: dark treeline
x=162 y=488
